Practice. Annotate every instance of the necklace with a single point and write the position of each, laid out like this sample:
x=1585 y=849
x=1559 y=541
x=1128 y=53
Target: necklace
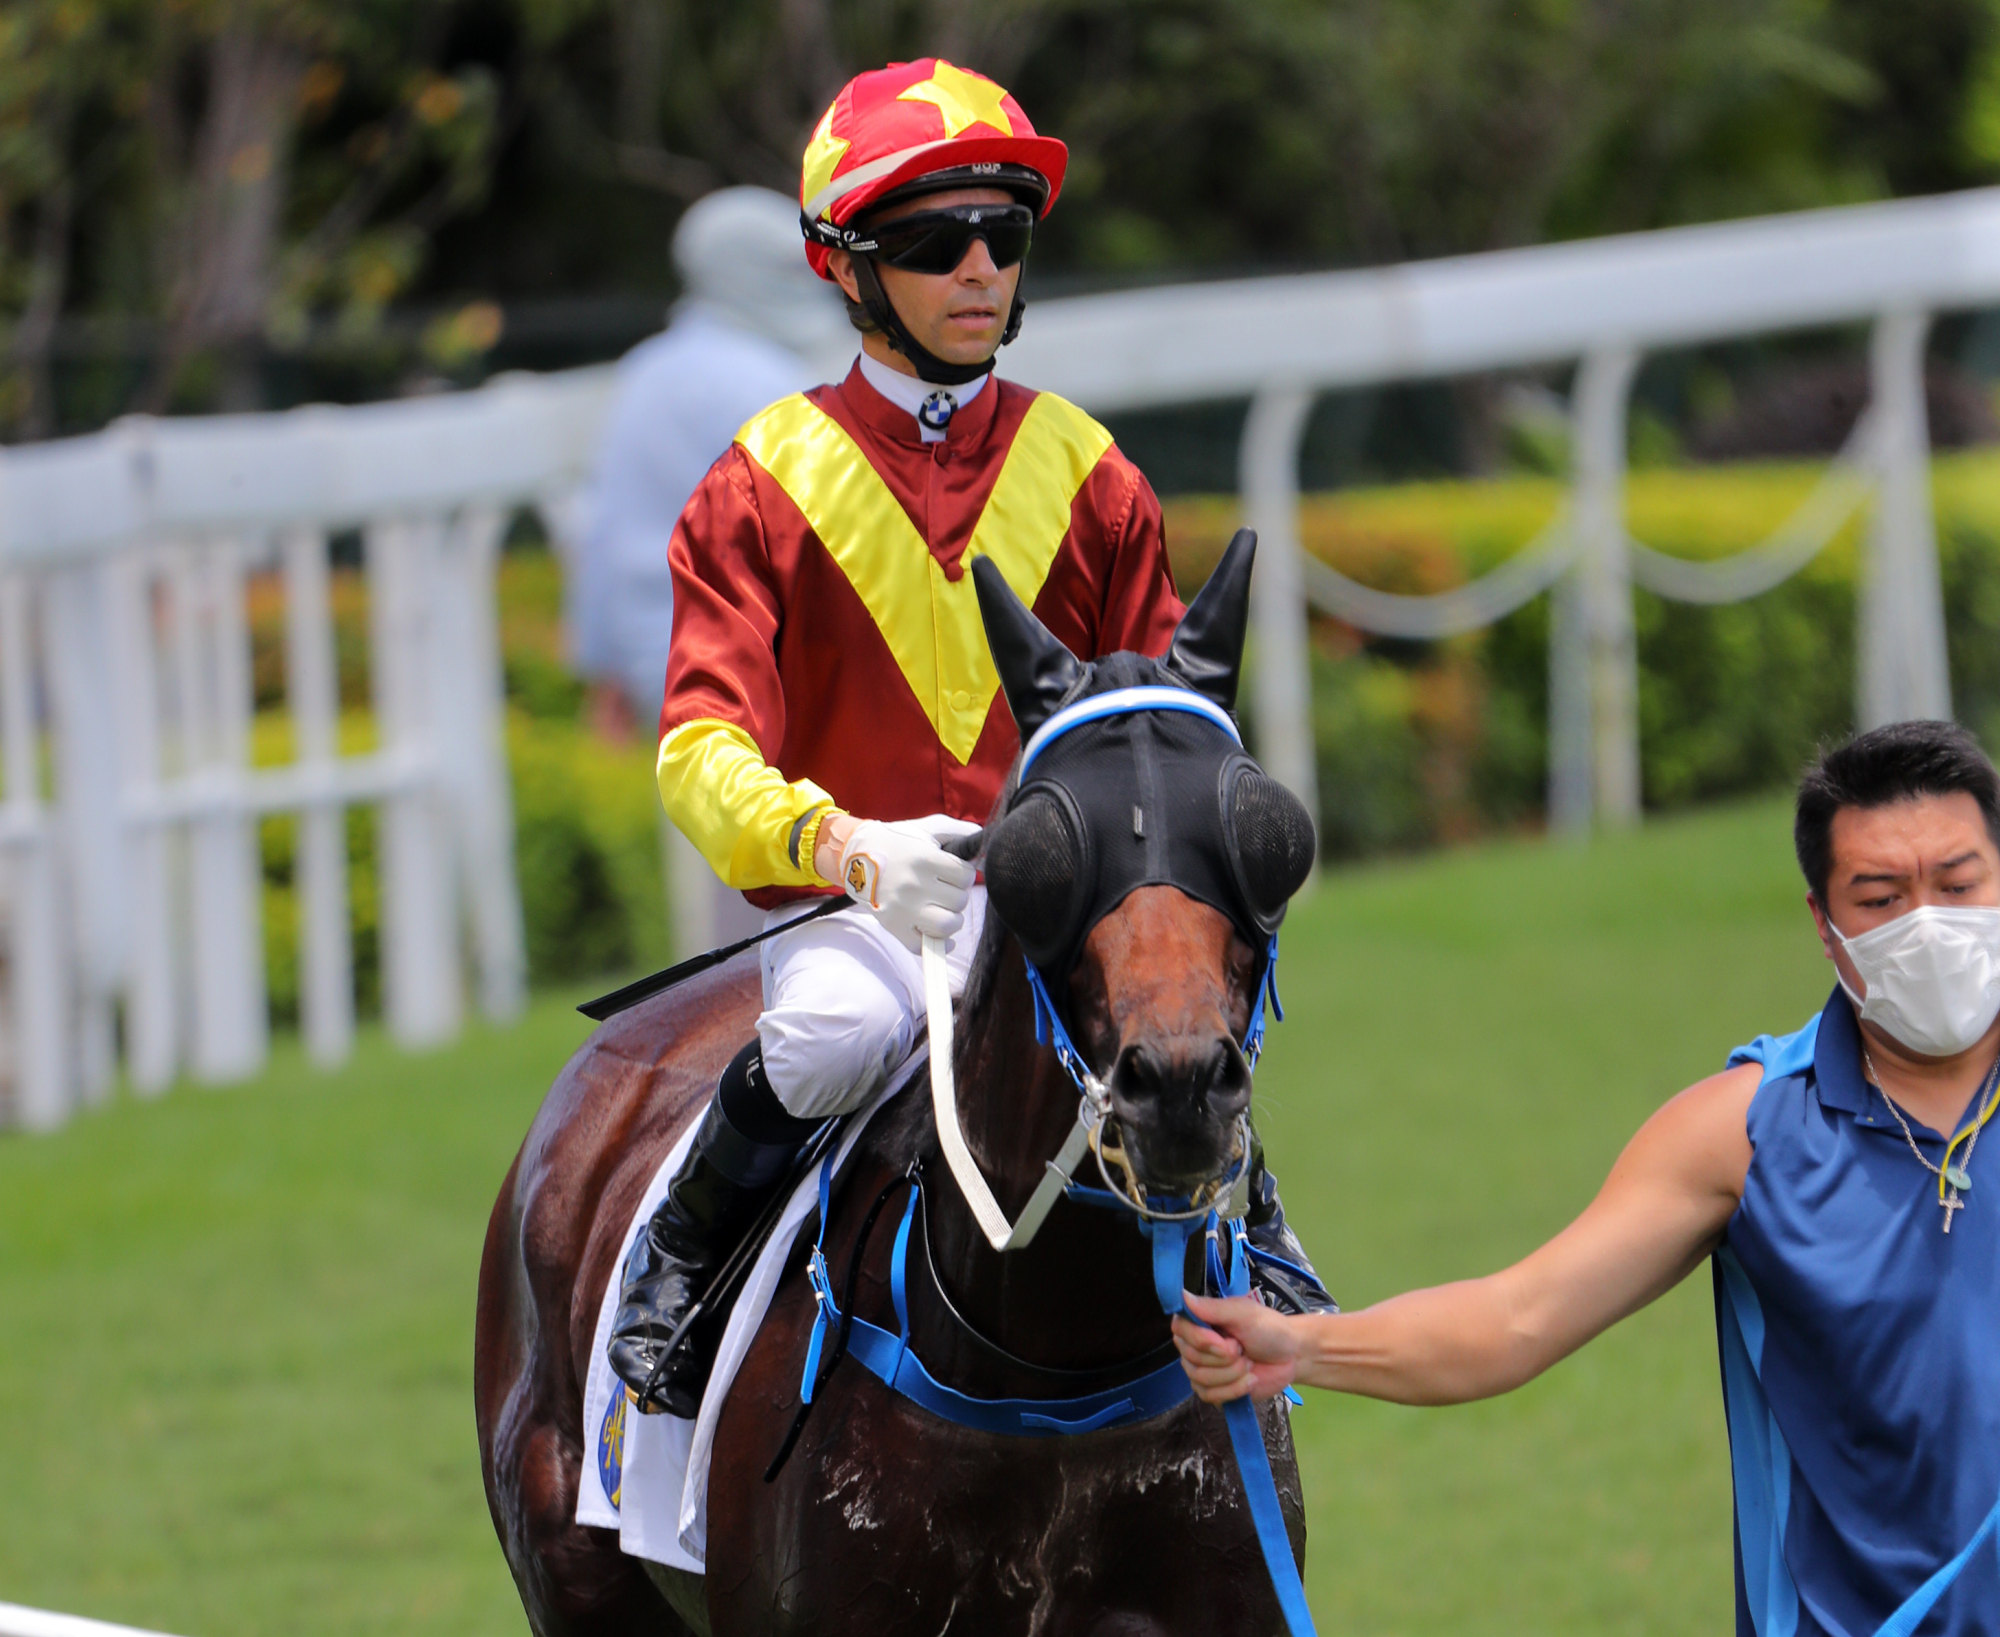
x=1953 y=1180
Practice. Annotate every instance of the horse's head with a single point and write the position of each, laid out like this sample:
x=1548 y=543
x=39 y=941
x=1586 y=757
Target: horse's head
x=1143 y=862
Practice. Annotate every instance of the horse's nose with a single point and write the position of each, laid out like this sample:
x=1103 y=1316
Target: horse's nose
x=1154 y=1078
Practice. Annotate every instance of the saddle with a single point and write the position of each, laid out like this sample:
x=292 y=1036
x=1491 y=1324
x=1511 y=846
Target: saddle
x=647 y=1476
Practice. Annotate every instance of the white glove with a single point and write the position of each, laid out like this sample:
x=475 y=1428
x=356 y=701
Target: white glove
x=902 y=874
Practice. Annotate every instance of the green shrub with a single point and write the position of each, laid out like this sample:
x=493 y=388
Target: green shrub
x=587 y=847
x=1426 y=742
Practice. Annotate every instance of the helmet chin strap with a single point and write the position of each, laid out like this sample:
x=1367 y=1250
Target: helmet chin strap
x=929 y=367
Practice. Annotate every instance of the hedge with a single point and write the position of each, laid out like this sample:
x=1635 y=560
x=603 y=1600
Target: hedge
x=1421 y=743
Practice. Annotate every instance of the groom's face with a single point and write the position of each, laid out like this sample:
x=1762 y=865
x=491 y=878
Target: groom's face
x=1892 y=859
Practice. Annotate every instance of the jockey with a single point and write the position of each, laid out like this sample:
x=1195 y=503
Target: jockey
x=832 y=714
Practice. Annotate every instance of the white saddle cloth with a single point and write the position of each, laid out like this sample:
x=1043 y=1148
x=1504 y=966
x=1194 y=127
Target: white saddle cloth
x=647 y=1475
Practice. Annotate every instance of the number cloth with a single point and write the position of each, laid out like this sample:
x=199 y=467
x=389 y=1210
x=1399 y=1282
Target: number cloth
x=827 y=647
x=1860 y=1358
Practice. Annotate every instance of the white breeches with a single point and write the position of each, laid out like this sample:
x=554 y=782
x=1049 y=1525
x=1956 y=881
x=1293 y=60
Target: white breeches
x=842 y=1005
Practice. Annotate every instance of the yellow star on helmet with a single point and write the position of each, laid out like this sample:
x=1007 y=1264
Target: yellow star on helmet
x=823 y=155
x=963 y=99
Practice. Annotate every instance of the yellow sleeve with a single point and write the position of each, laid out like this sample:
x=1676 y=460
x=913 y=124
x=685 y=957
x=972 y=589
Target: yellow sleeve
x=754 y=827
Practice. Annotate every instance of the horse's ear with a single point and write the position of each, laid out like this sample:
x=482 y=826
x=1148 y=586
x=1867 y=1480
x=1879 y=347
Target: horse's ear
x=1207 y=651
x=1036 y=670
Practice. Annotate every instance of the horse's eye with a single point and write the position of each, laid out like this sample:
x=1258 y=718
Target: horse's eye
x=1271 y=842
x=1032 y=863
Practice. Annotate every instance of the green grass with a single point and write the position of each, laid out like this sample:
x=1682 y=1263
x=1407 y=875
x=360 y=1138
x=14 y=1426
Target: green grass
x=235 y=1326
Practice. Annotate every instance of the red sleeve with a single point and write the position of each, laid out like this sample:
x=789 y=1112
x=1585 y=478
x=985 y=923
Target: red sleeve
x=1141 y=607
x=722 y=665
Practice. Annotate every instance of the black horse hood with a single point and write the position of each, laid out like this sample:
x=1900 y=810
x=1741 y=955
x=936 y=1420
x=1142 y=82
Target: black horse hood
x=1134 y=775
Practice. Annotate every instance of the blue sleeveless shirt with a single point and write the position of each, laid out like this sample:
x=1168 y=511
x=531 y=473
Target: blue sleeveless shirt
x=1860 y=1358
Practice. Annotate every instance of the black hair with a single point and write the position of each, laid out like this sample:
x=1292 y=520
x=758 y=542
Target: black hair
x=1884 y=765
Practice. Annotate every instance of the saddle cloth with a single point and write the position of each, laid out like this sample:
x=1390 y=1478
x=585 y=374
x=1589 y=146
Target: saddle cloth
x=647 y=1475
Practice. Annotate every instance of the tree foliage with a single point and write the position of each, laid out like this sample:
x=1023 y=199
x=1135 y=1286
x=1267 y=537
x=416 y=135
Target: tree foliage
x=191 y=188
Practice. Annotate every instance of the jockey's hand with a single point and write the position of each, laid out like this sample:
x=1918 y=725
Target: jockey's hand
x=1249 y=1349
x=902 y=874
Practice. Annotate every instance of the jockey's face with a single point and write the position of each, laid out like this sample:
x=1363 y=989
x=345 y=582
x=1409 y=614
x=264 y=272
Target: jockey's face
x=957 y=316
x=1890 y=860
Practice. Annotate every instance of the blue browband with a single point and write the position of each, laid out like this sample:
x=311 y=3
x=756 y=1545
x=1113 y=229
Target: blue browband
x=1122 y=702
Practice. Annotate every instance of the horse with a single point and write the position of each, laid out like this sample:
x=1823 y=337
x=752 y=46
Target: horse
x=882 y=1518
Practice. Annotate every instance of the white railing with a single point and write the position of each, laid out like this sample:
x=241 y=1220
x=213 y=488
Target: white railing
x=132 y=905
x=1602 y=303
x=16 y=1621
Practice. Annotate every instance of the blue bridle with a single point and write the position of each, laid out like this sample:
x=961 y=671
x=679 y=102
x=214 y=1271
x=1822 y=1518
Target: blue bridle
x=1169 y=1223
x=1049 y=1027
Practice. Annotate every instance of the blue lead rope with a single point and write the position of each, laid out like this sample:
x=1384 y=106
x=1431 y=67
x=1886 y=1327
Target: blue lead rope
x=1246 y=1437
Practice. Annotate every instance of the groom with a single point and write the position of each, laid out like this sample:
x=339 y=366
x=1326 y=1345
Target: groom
x=1832 y=1178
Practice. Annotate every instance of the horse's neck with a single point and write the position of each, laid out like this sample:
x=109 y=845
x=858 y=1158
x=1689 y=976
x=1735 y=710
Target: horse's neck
x=1081 y=1294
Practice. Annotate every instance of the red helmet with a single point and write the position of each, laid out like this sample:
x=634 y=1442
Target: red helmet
x=928 y=122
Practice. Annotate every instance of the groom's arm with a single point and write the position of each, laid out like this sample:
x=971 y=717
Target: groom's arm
x=1660 y=1212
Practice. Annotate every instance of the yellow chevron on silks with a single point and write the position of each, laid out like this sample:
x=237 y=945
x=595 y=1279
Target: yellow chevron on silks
x=931 y=623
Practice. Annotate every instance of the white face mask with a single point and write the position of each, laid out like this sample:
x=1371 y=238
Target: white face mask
x=1933 y=976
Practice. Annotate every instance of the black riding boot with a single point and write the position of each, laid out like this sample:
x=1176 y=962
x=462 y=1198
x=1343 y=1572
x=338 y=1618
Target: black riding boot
x=1295 y=1287
x=742 y=1151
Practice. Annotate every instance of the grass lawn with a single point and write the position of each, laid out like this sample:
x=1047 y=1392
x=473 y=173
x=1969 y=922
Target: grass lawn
x=235 y=1326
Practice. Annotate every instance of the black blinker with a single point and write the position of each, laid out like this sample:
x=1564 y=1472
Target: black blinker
x=1271 y=842
x=1034 y=867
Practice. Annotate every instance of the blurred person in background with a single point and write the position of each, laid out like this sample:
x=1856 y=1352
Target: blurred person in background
x=745 y=333
x=1829 y=1174
x=833 y=716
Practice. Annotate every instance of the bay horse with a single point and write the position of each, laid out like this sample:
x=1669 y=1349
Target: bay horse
x=885 y=1521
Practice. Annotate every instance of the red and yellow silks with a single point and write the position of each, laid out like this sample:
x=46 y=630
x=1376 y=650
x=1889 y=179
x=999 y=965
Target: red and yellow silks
x=827 y=647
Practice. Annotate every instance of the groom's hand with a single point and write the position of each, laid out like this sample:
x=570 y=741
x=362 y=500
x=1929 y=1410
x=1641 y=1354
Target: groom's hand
x=1239 y=1346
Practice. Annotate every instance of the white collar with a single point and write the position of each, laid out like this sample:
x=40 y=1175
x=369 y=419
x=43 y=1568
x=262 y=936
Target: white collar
x=908 y=393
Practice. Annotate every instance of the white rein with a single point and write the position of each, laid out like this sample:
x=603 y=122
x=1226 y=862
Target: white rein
x=1000 y=1233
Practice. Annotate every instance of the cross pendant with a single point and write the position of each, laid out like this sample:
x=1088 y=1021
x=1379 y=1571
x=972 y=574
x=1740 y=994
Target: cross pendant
x=1952 y=1205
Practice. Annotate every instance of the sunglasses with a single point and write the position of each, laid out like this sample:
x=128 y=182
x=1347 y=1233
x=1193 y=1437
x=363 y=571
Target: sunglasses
x=935 y=241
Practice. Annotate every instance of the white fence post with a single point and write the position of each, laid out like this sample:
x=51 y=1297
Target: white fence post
x=37 y=956
x=225 y=873
x=87 y=780
x=312 y=694
x=1593 y=657
x=1269 y=463
x=472 y=744
x=1571 y=800
x=1902 y=672
x=420 y=965
x=153 y=991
